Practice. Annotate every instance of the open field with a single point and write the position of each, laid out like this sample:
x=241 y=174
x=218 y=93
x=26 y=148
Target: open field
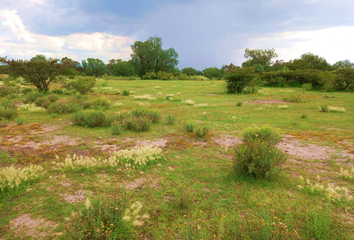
x=192 y=192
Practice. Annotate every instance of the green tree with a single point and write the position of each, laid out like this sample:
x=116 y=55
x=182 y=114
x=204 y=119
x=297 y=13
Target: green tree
x=259 y=56
x=341 y=64
x=226 y=68
x=309 y=61
x=189 y=71
x=73 y=68
x=123 y=68
x=149 y=56
x=239 y=78
x=212 y=72
x=93 y=67
x=38 y=71
x=345 y=77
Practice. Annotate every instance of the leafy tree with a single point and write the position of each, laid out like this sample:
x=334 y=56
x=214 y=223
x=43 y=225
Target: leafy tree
x=345 y=77
x=239 y=78
x=259 y=56
x=93 y=67
x=72 y=69
x=189 y=71
x=110 y=65
x=212 y=72
x=123 y=68
x=38 y=71
x=309 y=61
x=149 y=56
x=4 y=69
x=341 y=64
x=226 y=68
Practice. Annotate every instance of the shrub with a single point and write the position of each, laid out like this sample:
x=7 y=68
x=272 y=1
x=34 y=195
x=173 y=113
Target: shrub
x=42 y=102
x=201 y=132
x=19 y=121
x=264 y=133
x=304 y=115
x=293 y=98
x=170 y=120
x=150 y=113
x=125 y=93
x=239 y=104
x=91 y=118
x=32 y=97
x=150 y=75
x=101 y=218
x=83 y=84
x=8 y=110
x=189 y=127
x=53 y=98
x=5 y=90
x=258 y=159
x=307 y=86
x=324 y=108
x=101 y=102
x=57 y=91
x=138 y=124
x=117 y=128
x=63 y=106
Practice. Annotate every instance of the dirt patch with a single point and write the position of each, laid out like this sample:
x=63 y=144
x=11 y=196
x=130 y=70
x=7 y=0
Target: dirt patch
x=141 y=183
x=74 y=198
x=227 y=140
x=162 y=142
x=265 y=101
x=108 y=147
x=309 y=151
x=24 y=227
x=172 y=167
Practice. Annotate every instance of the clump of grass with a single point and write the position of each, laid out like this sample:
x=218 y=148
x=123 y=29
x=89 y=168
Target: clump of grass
x=19 y=121
x=105 y=218
x=8 y=110
x=201 y=132
x=347 y=174
x=295 y=123
x=125 y=93
x=101 y=103
x=304 y=115
x=143 y=111
x=293 y=98
x=239 y=104
x=6 y=158
x=138 y=124
x=117 y=128
x=324 y=108
x=91 y=118
x=182 y=196
x=170 y=120
x=189 y=127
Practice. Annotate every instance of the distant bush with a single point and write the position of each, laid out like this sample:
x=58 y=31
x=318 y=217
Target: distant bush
x=143 y=111
x=63 y=106
x=307 y=86
x=53 y=98
x=42 y=102
x=91 y=118
x=165 y=76
x=138 y=123
x=213 y=73
x=117 y=128
x=293 y=98
x=83 y=84
x=150 y=75
x=57 y=91
x=32 y=97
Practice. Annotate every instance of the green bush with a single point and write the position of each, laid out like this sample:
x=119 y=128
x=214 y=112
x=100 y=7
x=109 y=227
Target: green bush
x=138 y=124
x=239 y=104
x=117 y=128
x=125 y=93
x=63 y=106
x=307 y=86
x=101 y=218
x=8 y=113
x=83 y=84
x=57 y=91
x=258 y=159
x=189 y=127
x=170 y=120
x=42 y=102
x=5 y=90
x=25 y=91
x=53 y=98
x=145 y=112
x=293 y=98
x=91 y=118
x=32 y=97
x=239 y=78
x=324 y=108
x=101 y=103
x=150 y=75
x=201 y=132
x=264 y=133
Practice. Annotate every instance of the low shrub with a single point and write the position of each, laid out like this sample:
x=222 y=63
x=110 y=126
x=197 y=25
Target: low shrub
x=258 y=159
x=102 y=218
x=324 y=108
x=138 y=124
x=42 y=102
x=101 y=103
x=264 y=133
x=19 y=121
x=117 y=128
x=125 y=93
x=8 y=110
x=304 y=115
x=239 y=104
x=5 y=90
x=53 y=98
x=64 y=106
x=83 y=84
x=189 y=127
x=57 y=91
x=201 y=132
x=293 y=98
x=170 y=120
x=307 y=86
x=145 y=112
x=32 y=97
x=91 y=118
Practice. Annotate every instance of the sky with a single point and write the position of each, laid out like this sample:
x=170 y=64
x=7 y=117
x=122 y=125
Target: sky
x=204 y=33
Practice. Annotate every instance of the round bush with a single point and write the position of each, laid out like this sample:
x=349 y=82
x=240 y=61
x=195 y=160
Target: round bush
x=264 y=133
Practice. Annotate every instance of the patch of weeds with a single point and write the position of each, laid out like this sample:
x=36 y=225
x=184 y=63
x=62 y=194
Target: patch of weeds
x=101 y=103
x=264 y=133
x=125 y=93
x=91 y=118
x=138 y=124
x=19 y=121
x=170 y=120
x=326 y=96
x=6 y=158
x=189 y=126
x=304 y=115
x=117 y=128
x=105 y=218
x=143 y=111
x=239 y=104
x=53 y=115
x=183 y=196
x=297 y=98
x=201 y=132
x=324 y=108
x=294 y=123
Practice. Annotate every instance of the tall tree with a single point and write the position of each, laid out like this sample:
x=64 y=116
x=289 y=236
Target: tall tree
x=309 y=61
x=93 y=67
x=39 y=71
x=149 y=56
x=189 y=71
x=341 y=64
x=259 y=56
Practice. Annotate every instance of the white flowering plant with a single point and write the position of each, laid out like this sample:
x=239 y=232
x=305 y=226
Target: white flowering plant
x=144 y=97
x=189 y=102
x=31 y=108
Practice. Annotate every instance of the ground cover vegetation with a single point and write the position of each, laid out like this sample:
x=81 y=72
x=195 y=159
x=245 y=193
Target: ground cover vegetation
x=95 y=151
x=175 y=160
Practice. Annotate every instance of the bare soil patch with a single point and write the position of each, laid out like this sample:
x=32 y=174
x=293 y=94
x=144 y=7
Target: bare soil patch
x=74 y=198
x=227 y=140
x=162 y=142
x=24 y=227
x=141 y=183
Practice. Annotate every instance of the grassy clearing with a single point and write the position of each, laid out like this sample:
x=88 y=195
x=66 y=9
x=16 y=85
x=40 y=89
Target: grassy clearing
x=191 y=191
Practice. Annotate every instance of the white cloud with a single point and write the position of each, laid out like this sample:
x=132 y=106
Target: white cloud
x=334 y=44
x=17 y=42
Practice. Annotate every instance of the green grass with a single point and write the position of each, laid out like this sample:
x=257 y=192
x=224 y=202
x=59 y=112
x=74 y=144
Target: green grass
x=194 y=190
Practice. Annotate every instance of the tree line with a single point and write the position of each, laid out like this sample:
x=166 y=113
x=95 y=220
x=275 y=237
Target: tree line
x=150 y=61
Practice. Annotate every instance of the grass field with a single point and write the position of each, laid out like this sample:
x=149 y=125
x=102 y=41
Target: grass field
x=192 y=192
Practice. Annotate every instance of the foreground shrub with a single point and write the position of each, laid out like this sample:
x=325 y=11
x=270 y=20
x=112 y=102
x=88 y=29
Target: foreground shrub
x=143 y=111
x=83 y=84
x=189 y=127
x=31 y=108
x=91 y=118
x=138 y=157
x=258 y=159
x=32 y=97
x=201 y=132
x=8 y=110
x=63 y=106
x=11 y=177
x=138 y=124
x=117 y=128
x=101 y=102
x=105 y=218
x=264 y=134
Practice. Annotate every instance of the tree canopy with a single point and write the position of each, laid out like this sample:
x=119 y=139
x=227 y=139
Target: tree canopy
x=259 y=56
x=149 y=56
x=309 y=61
x=93 y=67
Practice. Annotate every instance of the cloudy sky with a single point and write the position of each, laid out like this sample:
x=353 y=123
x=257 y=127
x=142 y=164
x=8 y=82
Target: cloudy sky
x=204 y=33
